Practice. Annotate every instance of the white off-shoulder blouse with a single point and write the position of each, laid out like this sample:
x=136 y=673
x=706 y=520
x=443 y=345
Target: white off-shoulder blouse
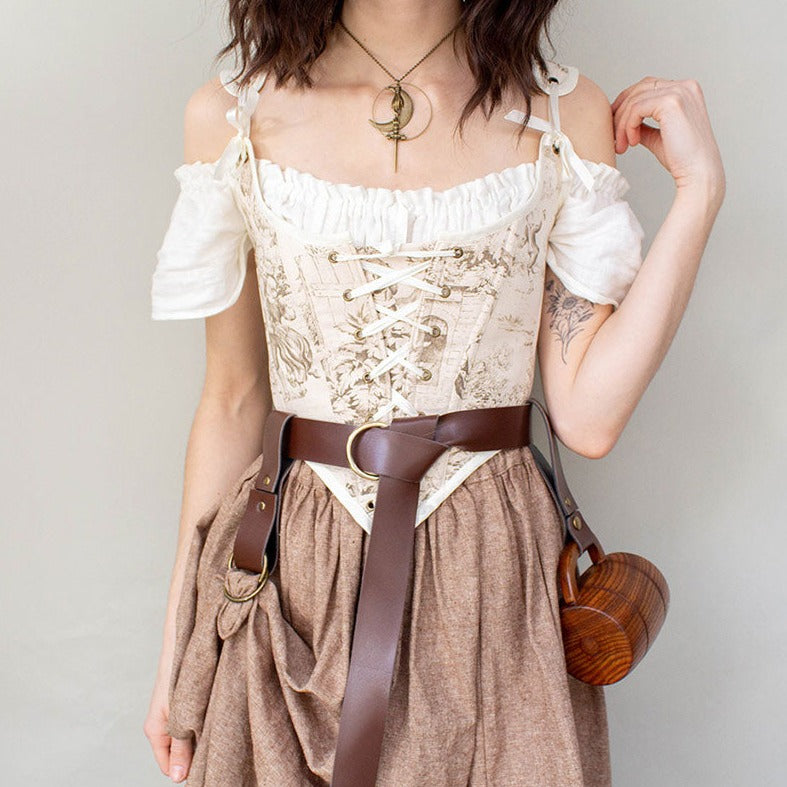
x=594 y=247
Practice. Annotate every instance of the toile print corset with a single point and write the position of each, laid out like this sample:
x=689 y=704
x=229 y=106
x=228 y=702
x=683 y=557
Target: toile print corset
x=356 y=334
x=383 y=303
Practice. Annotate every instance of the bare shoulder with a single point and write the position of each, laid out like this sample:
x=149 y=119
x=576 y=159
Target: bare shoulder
x=206 y=131
x=586 y=118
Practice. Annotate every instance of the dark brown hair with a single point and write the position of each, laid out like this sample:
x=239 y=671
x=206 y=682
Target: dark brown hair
x=285 y=37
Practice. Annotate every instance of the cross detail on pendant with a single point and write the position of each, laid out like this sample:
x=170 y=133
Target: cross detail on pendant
x=396 y=136
x=402 y=107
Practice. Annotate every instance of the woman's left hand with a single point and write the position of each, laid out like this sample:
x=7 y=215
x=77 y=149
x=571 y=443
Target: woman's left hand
x=683 y=143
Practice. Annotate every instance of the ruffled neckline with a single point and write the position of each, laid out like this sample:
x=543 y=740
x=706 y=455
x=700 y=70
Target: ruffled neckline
x=385 y=218
x=269 y=168
x=382 y=217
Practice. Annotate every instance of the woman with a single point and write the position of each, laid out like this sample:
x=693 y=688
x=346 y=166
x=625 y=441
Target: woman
x=402 y=271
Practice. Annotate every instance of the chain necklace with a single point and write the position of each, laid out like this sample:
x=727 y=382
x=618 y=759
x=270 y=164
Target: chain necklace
x=401 y=100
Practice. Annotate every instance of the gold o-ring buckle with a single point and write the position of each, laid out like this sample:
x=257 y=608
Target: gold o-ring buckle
x=355 y=432
x=260 y=580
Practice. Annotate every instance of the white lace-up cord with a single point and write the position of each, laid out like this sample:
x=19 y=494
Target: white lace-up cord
x=385 y=277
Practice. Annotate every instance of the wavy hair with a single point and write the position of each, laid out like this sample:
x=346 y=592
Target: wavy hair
x=285 y=37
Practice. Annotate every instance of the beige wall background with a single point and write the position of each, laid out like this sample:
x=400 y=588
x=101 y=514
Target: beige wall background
x=96 y=399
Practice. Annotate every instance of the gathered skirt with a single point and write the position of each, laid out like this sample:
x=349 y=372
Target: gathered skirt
x=480 y=693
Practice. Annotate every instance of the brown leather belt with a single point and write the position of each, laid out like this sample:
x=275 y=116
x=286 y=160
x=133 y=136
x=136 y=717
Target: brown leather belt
x=399 y=454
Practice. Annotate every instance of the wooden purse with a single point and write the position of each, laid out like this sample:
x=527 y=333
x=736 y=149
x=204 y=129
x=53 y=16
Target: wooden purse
x=611 y=613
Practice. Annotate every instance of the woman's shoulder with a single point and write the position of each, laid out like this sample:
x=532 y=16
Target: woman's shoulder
x=206 y=131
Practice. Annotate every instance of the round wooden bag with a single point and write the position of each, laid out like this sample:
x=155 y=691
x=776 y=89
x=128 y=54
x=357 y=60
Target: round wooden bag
x=609 y=615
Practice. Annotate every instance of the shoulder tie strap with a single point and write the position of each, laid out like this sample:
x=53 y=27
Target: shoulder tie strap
x=568 y=155
x=239 y=116
x=240 y=148
x=561 y=144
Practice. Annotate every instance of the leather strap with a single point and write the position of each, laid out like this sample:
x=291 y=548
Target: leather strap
x=258 y=529
x=400 y=453
x=378 y=620
x=575 y=526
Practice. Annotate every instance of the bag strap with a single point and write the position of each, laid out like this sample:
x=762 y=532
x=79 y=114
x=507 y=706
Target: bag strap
x=575 y=526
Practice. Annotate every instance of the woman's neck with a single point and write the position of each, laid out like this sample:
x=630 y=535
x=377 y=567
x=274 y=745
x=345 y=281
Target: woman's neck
x=398 y=33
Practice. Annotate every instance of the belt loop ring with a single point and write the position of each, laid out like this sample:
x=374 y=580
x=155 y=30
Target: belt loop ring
x=261 y=579
x=348 y=449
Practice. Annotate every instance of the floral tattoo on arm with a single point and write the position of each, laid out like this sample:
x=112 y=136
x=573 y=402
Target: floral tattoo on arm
x=566 y=312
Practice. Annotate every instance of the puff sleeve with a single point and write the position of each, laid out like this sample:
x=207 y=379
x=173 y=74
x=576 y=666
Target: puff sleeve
x=201 y=263
x=595 y=245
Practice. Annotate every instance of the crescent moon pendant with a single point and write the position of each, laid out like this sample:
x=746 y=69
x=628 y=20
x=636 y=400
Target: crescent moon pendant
x=404 y=111
x=403 y=108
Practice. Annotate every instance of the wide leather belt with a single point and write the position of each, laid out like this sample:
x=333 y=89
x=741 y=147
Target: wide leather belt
x=398 y=454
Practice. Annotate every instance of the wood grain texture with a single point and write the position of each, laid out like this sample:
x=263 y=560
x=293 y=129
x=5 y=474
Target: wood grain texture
x=619 y=605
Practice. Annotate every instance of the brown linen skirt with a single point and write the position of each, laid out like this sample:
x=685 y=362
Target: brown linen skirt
x=480 y=694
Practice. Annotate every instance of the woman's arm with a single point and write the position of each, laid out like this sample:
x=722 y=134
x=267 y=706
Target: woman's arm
x=226 y=433
x=595 y=374
x=226 y=436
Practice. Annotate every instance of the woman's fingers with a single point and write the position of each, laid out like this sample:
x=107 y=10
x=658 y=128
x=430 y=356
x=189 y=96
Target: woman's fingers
x=683 y=142
x=159 y=742
x=655 y=103
x=173 y=755
x=643 y=84
x=180 y=754
x=645 y=99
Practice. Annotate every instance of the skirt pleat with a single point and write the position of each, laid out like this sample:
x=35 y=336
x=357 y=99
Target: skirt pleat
x=480 y=694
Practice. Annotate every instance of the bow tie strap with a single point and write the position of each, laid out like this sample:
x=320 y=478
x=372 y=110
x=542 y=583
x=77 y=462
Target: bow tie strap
x=571 y=160
x=560 y=144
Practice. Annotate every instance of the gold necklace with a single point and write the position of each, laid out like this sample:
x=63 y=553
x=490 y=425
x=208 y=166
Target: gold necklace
x=401 y=101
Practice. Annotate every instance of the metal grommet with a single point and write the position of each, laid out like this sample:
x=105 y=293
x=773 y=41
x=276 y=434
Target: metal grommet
x=458 y=251
x=367 y=378
x=346 y=295
x=260 y=580
x=332 y=256
x=349 y=447
x=576 y=522
x=445 y=291
x=436 y=330
x=358 y=333
x=425 y=374
x=370 y=504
